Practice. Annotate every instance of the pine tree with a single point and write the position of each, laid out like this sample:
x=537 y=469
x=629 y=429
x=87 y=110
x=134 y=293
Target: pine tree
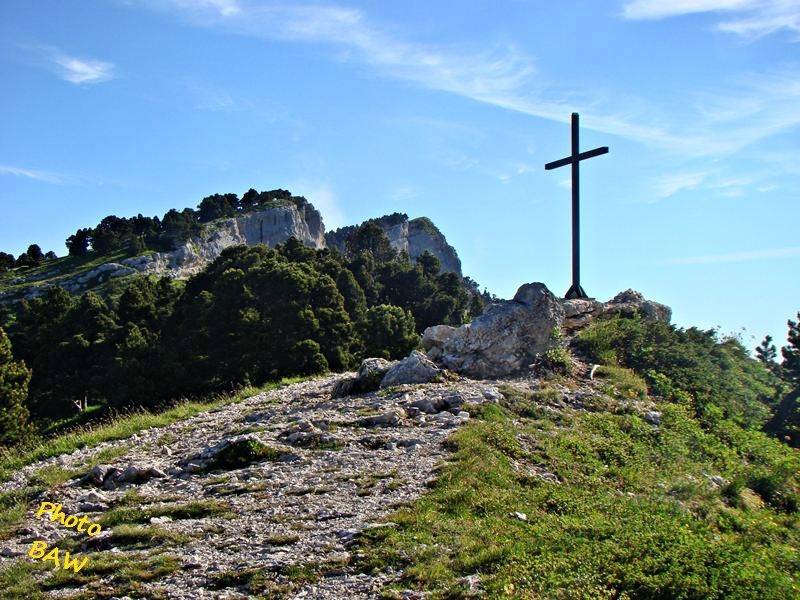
x=767 y=354
x=791 y=352
x=14 y=378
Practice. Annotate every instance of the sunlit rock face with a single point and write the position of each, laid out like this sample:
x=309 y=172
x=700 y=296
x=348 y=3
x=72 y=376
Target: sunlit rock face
x=506 y=338
x=413 y=236
x=271 y=226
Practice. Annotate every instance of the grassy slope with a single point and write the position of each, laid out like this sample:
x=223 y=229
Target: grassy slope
x=54 y=270
x=635 y=515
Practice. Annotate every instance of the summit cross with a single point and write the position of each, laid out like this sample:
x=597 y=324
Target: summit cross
x=574 y=159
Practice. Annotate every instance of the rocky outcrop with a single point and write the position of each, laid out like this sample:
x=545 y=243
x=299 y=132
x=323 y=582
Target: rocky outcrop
x=433 y=339
x=578 y=313
x=270 y=226
x=507 y=337
x=415 y=368
x=367 y=379
x=413 y=236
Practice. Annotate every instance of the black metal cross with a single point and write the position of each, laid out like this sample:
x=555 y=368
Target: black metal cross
x=576 y=291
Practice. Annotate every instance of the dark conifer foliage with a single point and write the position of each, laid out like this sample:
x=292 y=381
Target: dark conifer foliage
x=14 y=378
x=254 y=314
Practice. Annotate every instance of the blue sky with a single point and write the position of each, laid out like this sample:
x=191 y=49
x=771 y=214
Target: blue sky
x=443 y=109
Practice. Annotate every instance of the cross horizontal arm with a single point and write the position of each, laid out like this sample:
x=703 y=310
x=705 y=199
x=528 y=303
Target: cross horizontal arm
x=582 y=156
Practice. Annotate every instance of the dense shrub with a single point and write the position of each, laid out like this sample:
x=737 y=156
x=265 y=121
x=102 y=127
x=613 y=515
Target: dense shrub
x=686 y=365
x=14 y=378
x=388 y=332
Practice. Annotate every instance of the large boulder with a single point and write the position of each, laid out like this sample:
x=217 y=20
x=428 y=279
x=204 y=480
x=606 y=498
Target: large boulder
x=415 y=368
x=368 y=378
x=507 y=337
x=433 y=339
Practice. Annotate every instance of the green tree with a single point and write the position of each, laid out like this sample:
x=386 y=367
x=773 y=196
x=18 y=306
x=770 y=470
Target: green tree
x=786 y=421
x=14 y=379
x=6 y=261
x=767 y=353
x=177 y=227
x=78 y=242
x=369 y=237
x=35 y=253
x=791 y=352
x=242 y=320
x=429 y=263
x=217 y=206
x=389 y=332
x=249 y=199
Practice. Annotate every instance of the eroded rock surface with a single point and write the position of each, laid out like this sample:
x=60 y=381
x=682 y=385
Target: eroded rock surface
x=506 y=338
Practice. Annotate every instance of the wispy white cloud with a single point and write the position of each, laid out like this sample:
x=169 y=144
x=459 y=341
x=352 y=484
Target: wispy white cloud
x=751 y=18
x=31 y=174
x=722 y=120
x=79 y=70
x=670 y=184
x=736 y=257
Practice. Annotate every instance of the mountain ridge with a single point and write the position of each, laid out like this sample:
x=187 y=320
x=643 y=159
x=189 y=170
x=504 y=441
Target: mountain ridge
x=271 y=225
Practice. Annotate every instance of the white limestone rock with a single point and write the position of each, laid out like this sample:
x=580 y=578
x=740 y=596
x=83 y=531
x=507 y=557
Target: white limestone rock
x=415 y=368
x=507 y=337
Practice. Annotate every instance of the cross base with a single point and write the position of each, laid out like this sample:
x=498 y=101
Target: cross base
x=575 y=291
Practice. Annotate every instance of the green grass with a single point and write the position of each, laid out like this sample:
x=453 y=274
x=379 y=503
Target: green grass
x=120 y=428
x=621 y=382
x=242 y=453
x=126 y=573
x=18 y=582
x=53 y=475
x=146 y=536
x=189 y=510
x=633 y=517
x=262 y=583
x=13 y=506
x=54 y=270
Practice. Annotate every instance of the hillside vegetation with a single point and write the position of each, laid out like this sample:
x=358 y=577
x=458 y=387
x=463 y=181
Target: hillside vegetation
x=559 y=493
x=254 y=315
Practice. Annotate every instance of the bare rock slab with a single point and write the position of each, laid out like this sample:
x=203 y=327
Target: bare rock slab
x=506 y=338
x=415 y=368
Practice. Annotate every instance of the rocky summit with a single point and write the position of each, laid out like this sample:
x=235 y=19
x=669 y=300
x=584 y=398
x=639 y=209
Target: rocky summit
x=510 y=334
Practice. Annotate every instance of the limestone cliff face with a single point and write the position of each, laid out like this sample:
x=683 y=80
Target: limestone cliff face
x=271 y=226
x=413 y=236
x=423 y=236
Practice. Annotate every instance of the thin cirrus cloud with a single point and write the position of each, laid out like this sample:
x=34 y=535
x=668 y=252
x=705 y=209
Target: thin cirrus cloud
x=668 y=185
x=750 y=18
x=31 y=174
x=80 y=71
x=746 y=111
x=738 y=257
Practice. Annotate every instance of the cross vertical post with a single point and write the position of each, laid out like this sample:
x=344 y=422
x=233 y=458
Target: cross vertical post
x=576 y=291
x=574 y=159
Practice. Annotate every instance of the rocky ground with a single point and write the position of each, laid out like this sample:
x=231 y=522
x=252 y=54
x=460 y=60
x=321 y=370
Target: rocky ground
x=333 y=468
